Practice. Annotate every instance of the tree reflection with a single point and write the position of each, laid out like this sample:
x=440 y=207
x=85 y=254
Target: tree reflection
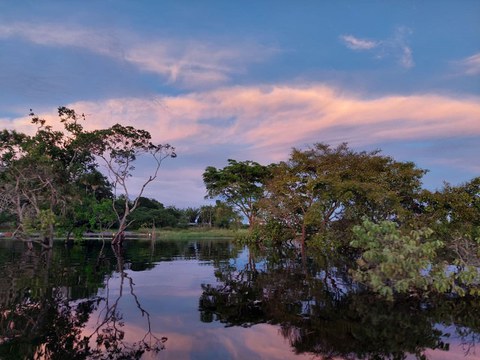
x=108 y=331
x=320 y=311
x=44 y=322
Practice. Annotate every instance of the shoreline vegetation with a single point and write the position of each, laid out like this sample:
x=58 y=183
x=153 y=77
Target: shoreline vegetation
x=159 y=234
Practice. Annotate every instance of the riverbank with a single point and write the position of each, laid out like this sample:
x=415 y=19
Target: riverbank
x=185 y=234
x=171 y=234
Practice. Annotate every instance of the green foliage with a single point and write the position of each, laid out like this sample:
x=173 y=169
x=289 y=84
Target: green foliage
x=271 y=233
x=56 y=171
x=240 y=185
x=42 y=223
x=45 y=173
x=454 y=214
x=394 y=262
x=323 y=189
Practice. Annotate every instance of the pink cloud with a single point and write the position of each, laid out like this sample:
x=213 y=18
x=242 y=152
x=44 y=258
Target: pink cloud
x=284 y=116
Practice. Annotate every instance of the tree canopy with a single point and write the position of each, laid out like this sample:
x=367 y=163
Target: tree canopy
x=323 y=188
x=239 y=184
x=52 y=178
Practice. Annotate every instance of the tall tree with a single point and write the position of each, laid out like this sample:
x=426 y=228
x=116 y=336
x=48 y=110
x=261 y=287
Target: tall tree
x=240 y=184
x=119 y=147
x=322 y=186
x=40 y=173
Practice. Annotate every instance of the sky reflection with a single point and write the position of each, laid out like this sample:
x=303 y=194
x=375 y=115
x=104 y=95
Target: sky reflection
x=170 y=293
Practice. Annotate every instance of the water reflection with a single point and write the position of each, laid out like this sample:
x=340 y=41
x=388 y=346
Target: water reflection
x=43 y=319
x=212 y=300
x=321 y=312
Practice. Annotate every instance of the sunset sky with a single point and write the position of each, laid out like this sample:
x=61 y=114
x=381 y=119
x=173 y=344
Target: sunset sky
x=249 y=80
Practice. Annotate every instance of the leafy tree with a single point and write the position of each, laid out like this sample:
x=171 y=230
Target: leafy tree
x=52 y=176
x=225 y=216
x=191 y=214
x=322 y=189
x=240 y=184
x=40 y=174
x=206 y=215
x=394 y=262
x=454 y=214
x=220 y=215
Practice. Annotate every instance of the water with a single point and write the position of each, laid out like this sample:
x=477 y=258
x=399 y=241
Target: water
x=210 y=299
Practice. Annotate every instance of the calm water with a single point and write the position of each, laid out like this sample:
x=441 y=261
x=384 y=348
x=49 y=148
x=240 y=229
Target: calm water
x=210 y=299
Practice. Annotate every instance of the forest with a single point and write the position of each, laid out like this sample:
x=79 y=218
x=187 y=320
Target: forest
x=400 y=237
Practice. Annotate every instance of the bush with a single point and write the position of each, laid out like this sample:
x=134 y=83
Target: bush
x=394 y=262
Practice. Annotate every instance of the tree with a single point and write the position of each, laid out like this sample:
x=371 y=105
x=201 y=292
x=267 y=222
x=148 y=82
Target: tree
x=119 y=147
x=191 y=215
x=240 y=184
x=323 y=188
x=206 y=215
x=225 y=216
x=454 y=214
x=395 y=260
x=40 y=174
x=49 y=178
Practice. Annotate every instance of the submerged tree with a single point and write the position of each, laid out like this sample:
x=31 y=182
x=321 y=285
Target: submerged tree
x=322 y=189
x=393 y=261
x=119 y=147
x=453 y=213
x=40 y=174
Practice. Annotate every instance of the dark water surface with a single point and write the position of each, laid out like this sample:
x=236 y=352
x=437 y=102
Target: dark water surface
x=211 y=299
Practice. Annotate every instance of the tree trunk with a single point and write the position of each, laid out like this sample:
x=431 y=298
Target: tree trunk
x=120 y=235
x=118 y=238
x=304 y=235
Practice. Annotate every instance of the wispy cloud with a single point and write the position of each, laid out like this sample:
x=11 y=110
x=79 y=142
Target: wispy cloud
x=355 y=43
x=193 y=63
x=186 y=63
x=395 y=46
x=471 y=65
x=400 y=47
x=99 y=41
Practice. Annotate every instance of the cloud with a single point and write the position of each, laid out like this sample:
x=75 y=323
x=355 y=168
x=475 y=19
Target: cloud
x=99 y=41
x=396 y=46
x=278 y=117
x=195 y=63
x=185 y=63
x=406 y=57
x=399 y=45
x=471 y=65
x=263 y=123
x=355 y=43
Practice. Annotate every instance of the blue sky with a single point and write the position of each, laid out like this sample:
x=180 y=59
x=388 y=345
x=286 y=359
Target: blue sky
x=252 y=79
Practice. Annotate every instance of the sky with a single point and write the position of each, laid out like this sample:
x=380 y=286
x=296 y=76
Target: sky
x=250 y=80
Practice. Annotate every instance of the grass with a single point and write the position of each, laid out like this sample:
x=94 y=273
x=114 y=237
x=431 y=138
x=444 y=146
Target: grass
x=187 y=234
x=190 y=234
